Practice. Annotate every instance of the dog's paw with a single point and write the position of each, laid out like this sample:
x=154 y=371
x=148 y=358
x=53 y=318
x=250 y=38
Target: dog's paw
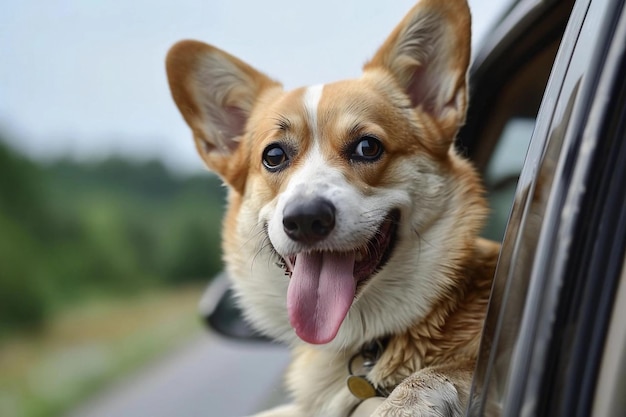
x=422 y=396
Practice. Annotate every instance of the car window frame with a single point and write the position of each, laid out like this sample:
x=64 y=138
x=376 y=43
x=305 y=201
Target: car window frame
x=544 y=293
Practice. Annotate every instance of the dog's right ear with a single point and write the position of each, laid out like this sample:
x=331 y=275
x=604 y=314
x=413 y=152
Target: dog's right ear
x=428 y=54
x=215 y=92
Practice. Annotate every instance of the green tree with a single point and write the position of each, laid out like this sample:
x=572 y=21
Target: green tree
x=71 y=230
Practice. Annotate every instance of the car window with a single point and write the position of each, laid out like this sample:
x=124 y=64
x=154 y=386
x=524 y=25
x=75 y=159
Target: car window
x=506 y=136
x=502 y=172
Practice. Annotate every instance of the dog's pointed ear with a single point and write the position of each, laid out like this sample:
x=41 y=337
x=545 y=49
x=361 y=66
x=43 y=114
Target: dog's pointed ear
x=215 y=92
x=428 y=55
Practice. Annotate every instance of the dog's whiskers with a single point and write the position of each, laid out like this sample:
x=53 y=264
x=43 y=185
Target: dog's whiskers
x=253 y=236
x=264 y=246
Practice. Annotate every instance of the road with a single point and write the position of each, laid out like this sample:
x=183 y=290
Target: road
x=204 y=378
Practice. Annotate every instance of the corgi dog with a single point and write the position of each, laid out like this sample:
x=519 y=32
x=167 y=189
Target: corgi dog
x=352 y=228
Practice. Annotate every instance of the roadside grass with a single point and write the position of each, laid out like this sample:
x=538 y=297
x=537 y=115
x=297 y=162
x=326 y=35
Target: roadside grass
x=89 y=346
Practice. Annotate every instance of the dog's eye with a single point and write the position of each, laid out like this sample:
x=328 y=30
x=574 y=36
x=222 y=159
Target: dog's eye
x=274 y=157
x=368 y=148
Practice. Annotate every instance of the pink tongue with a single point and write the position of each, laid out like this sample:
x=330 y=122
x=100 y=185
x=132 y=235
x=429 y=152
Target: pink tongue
x=321 y=291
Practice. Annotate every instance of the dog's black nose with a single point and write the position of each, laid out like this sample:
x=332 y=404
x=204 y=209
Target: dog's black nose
x=309 y=221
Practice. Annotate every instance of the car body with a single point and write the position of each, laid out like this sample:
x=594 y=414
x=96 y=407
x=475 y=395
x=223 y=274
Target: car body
x=547 y=130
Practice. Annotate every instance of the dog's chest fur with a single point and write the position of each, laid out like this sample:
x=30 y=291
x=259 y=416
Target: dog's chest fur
x=450 y=334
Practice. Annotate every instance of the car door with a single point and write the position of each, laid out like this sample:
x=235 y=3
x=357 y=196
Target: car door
x=557 y=288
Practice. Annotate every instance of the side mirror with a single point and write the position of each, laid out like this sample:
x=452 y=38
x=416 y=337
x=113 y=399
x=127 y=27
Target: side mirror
x=221 y=314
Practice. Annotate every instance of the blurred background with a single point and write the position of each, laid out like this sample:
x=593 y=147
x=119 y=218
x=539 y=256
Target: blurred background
x=109 y=225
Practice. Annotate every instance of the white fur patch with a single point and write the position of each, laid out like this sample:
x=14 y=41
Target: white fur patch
x=312 y=98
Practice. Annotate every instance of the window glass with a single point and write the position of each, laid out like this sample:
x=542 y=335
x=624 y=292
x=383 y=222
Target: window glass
x=505 y=135
x=503 y=171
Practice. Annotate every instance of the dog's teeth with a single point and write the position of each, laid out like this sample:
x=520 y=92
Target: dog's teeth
x=288 y=264
x=285 y=265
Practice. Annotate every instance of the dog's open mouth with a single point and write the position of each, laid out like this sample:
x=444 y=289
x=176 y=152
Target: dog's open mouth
x=323 y=284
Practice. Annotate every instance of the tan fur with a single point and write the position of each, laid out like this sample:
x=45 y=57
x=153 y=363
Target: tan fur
x=430 y=298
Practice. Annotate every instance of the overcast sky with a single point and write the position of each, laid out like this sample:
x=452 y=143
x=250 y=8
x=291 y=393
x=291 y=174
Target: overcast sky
x=87 y=79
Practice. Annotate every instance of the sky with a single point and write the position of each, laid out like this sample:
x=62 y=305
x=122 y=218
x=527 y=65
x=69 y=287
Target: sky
x=86 y=79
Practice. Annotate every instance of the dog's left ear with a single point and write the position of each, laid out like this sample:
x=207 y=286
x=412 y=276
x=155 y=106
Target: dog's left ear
x=428 y=55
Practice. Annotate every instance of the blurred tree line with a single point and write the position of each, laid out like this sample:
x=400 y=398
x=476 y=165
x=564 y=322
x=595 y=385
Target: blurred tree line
x=70 y=231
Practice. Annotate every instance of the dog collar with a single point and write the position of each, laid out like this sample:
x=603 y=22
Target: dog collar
x=360 y=365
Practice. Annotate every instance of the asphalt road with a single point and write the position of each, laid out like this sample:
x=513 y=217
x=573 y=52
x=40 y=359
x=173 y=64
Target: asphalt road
x=210 y=377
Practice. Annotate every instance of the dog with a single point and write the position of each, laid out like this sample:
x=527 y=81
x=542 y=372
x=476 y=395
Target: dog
x=352 y=228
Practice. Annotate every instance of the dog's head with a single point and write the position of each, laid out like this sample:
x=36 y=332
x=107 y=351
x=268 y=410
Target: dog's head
x=348 y=205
